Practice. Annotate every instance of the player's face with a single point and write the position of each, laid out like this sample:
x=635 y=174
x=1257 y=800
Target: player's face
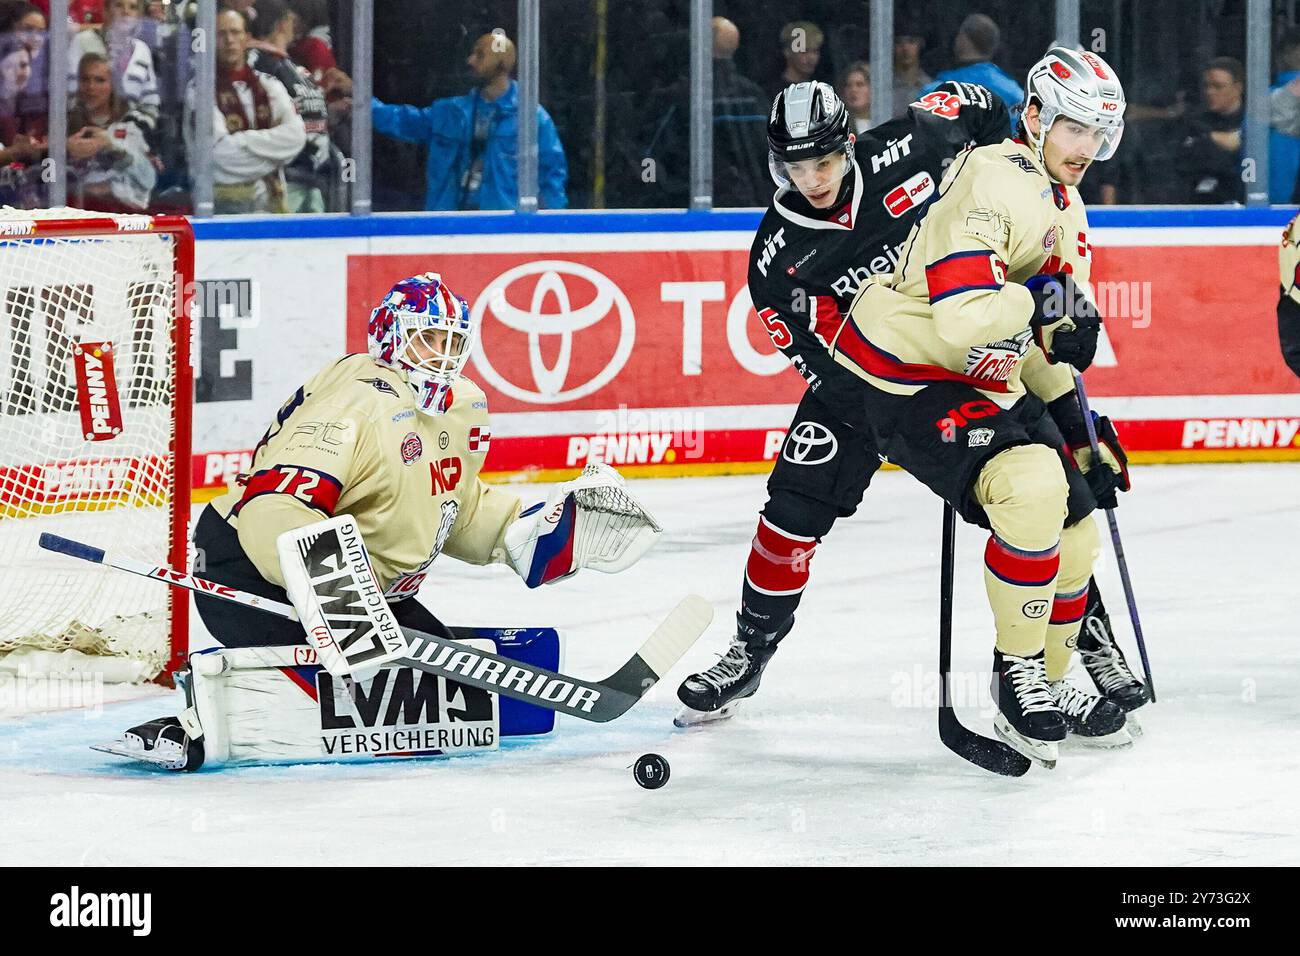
x=436 y=350
x=1070 y=148
x=818 y=177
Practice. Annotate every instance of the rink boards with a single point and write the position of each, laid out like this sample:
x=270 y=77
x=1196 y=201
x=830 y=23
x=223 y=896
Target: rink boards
x=630 y=337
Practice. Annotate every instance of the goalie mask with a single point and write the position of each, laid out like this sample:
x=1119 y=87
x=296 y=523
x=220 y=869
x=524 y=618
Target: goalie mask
x=423 y=330
x=1081 y=87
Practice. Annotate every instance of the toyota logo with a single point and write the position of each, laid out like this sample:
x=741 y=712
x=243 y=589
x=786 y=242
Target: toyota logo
x=549 y=384
x=810 y=443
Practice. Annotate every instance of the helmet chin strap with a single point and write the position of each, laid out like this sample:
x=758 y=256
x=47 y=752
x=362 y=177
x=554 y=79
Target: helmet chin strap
x=1037 y=143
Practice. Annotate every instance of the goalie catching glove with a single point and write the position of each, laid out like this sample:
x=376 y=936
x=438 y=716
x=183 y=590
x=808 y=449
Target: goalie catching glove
x=589 y=522
x=1065 y=322
x=1105 y=481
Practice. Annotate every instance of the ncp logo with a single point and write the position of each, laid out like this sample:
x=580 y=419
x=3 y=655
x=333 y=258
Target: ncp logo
x=810 y=443
x=556 y=280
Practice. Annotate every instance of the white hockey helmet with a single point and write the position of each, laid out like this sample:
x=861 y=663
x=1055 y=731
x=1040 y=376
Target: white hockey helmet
x=1080 y=86
x=424 y=330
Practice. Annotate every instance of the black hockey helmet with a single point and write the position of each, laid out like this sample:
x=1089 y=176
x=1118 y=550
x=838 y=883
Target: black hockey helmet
x=808 y=120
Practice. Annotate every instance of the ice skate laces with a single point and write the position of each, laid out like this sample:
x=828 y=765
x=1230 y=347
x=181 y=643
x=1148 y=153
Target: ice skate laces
x=1072 y=700
x=1107 y=667
x=730 y=667
x=1028 y=678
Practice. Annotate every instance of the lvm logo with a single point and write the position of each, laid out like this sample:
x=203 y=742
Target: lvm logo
x=77 y=909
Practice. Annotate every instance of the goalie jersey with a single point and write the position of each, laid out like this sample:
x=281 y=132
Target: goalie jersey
x=350 y=441
x=955 y=310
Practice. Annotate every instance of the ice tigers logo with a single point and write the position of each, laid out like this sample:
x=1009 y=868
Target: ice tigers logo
x=407 y=585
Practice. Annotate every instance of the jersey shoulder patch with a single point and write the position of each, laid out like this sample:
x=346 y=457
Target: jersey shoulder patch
x=363 y=386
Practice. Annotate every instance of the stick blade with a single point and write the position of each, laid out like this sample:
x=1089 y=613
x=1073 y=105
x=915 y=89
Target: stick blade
x=987 y=754
x=676 y=634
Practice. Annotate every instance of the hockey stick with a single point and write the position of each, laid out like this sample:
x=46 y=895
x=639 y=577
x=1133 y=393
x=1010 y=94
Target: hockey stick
x=1114 y=539
x=597 y=701
x=982 y=751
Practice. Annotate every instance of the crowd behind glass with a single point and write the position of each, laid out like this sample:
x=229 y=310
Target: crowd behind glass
x=613 y=121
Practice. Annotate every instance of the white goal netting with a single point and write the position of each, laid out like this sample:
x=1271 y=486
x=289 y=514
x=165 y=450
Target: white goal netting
x=88 y=415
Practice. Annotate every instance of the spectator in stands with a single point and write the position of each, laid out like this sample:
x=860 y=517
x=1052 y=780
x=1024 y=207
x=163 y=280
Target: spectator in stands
x=19 y=17
x=312 y=48
x=131 y=60
x=313 y=171
x=472 y=139
x=740 y=111
x=855 y=91
x=108 y=159
x=29 y=107
x=1284 y=118
x=909 y=78
x=20 y=150
x=80 y=12
x=1209 y=152
x=256 y=130
x=801 y=45
x=976 y=43
x=15 y=73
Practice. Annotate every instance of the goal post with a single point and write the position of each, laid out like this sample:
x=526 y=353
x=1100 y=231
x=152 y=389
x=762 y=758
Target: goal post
x=96 y=388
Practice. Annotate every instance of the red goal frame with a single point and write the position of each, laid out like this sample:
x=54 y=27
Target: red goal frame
x=182 y=234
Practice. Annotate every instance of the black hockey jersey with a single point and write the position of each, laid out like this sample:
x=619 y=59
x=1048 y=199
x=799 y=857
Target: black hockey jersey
x=806 y=265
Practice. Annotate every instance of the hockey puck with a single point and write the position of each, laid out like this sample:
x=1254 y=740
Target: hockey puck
x=651 y=771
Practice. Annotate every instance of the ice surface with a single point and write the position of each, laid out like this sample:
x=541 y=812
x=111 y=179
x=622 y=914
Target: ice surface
x=836 y=761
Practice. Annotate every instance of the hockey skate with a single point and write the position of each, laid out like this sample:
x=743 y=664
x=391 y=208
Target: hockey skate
x=162 y=742
x=1028 y=718
x=715 y=694
x=1090 y=718
x=1105 y=662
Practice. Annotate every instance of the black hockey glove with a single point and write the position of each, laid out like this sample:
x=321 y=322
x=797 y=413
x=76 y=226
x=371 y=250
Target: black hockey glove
x=1065 y=322
x=1105 y=482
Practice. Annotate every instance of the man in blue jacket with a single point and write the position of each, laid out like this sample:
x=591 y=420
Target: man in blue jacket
x=472 y=139
x=976 y=42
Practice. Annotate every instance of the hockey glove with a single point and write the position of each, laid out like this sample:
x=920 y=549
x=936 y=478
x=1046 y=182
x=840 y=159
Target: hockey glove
x=1065 y=322
x=1104 y=482
x=590 y=522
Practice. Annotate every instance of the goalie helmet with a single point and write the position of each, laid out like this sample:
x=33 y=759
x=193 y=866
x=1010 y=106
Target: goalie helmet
x=1080 y=86
x=423 y=330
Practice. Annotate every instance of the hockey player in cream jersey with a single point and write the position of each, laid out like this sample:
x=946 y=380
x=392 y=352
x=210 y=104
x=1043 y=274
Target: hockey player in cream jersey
x=967 y=349
x=394 y=440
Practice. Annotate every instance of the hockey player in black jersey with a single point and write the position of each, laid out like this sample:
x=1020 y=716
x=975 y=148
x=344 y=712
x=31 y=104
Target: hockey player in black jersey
x=843 y=208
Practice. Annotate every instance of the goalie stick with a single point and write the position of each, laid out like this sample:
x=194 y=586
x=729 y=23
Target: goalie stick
x=597 y=701
x=1114 y=539
x=982 y=751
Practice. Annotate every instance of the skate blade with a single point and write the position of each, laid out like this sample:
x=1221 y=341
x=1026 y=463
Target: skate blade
x=170 y=759
x=1115 y=741
x=1042 y=752
x=1133 y=724
x=690 y=717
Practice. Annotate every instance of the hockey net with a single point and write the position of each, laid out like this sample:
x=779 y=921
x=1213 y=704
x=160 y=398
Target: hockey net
x=95 y=393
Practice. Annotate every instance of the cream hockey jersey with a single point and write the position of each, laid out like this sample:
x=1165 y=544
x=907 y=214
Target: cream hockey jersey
x=954 y=310
x=350 y=441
